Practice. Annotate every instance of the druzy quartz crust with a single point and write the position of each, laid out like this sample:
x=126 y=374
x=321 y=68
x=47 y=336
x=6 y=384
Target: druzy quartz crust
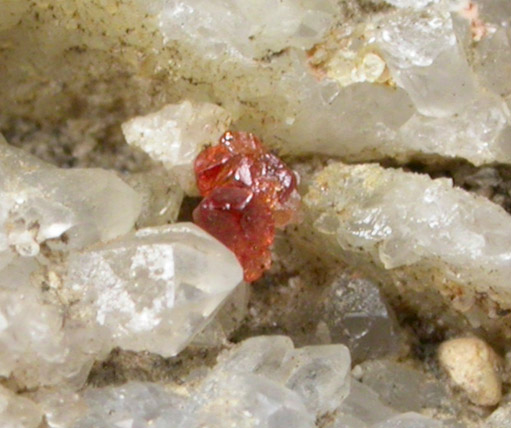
x=248 y=192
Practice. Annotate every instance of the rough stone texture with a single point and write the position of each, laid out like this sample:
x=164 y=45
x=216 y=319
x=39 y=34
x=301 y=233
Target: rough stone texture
x=474 y=367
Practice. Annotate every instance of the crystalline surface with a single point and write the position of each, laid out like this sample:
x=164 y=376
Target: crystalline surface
x=18 y=412
x=318 y=374
x=403 y=219
x=134 y=404
x=246 y=29
x=356 y=314
x=175 y=135
x=156 y=289
x=402 y=388
x=41 y=202
x=421 y=51
x=35 y=347
x=409 y=420
x=472 y=134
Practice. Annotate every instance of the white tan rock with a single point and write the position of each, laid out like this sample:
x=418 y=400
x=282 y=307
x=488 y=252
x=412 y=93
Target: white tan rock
x=474 y=366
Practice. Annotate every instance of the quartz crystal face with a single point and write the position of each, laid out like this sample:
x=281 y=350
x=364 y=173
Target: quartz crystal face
x=41 y=202
x=156 y=289
x=247 y=192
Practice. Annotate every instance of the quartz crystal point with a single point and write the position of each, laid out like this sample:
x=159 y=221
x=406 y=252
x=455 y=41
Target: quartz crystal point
x=355 y=313
x=156 y=289
x=472 y=134
x=318 y=374
x=422 y=52
x=398 y=219
x=175 y=135
x=41 y=202
x=261 y=383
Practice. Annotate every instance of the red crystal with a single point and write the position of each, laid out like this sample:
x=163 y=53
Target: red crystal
x=247 y=192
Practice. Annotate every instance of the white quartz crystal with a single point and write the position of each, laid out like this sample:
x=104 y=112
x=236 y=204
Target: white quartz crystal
x=141 y=405
x=36 y=345
x=472 y=134
x=245 y=28
x=156 y=289
x=400 y=219
x=424 y=58
x=318 y=374
x=18 y=412
x=176 y=134
x=41 y=202
x=261 y=383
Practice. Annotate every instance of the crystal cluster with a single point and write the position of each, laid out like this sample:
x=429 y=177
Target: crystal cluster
x=247 y=193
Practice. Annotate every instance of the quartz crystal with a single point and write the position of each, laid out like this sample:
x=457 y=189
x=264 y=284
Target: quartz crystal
x=41 y=202
x=400 y=219
x=261 y=383
x=156 y=289
x=318 y=374
x=175 y=135
x=355 y=313
x=244 y=28
x=472 y=134
x=424 y=58
x=36 y=345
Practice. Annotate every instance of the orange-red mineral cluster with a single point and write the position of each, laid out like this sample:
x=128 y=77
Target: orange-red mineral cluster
x=248 y=192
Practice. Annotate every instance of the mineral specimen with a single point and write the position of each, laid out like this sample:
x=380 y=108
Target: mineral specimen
x=247 y=192
x=89 y=262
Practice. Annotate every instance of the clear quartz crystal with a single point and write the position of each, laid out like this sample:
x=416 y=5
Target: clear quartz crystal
x=36 y=345
x=356 y=314
x=156 y=289
x=41 y=202
x=176 y=134
x=425 y=60
x=473 y=133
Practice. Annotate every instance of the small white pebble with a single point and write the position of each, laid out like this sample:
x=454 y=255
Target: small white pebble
x=473 y=366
